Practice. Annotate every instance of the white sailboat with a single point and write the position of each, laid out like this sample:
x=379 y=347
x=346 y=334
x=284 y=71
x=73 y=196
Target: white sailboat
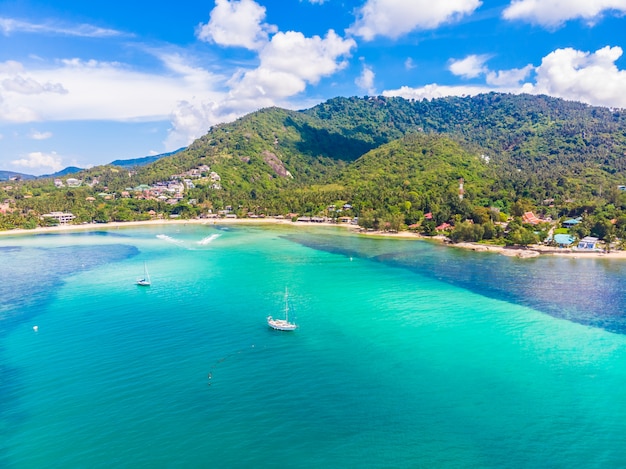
x=145 y=280
x=282 y=324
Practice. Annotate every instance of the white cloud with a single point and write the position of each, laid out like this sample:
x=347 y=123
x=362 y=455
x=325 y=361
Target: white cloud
x=394 y=18
x=365 y=81
x=509 y=77
x=19 y=84
x=592 y=78
x=583 y=76
x=10 y=25
x=236 y=23
x=36 y=135
x=409 y=64
x=40 y=161
x=474 y=66
x=290 y=61
x=434 y=90
x=469 y=67
x=84 y=90
x=11 y=67
x=192 y=119
x=553 y=13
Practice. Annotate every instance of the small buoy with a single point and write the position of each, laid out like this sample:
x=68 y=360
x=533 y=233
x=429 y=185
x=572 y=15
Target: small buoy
x=35 y=328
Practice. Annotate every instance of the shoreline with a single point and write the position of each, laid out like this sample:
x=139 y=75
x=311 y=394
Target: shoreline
x=520 y=252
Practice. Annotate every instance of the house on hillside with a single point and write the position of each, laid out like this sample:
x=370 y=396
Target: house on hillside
x=572 y=222
x=530 y=218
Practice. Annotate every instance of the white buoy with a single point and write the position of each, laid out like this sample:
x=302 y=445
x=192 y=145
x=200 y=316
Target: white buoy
x=35 y=328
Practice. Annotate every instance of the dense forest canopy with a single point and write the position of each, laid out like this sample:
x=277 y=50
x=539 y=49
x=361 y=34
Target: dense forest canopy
x=391 y=160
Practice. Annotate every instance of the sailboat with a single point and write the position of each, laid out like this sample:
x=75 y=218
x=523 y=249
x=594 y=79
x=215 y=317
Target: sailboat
x=282 y=324
x=145 y=280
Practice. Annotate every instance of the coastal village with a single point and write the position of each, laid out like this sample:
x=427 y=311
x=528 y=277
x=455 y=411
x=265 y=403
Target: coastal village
x=558 y=235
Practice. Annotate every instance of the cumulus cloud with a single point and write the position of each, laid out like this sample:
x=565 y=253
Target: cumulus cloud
x=469 y=67
x=365 y=81
x=583 y=76
x=10 y=25
x=512 y=77
x=553 y=13
x=40 y=161
x=434 y=90
x=589 y=77
x=474 y=66
x=36 y=135
x=394 y=18
x=236 y=23
x=290 y=61
x=192 y=119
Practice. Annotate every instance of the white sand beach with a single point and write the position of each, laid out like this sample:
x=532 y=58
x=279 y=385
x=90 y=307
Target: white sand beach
x=527 y=252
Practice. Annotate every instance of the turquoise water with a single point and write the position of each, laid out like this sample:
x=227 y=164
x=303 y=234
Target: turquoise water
x=408 y=354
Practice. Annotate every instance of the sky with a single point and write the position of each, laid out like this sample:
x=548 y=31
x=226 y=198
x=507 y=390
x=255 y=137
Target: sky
x=83 y=83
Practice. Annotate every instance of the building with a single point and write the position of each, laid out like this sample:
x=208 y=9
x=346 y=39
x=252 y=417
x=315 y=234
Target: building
x=62 y=217
x=530 y=218
x=571 y=222
x=588 y=243
x=564 y=240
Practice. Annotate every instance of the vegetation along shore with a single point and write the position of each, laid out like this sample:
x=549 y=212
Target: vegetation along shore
x=519 y=174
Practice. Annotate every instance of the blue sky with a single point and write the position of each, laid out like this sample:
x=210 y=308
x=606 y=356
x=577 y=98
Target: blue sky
x=83 y=83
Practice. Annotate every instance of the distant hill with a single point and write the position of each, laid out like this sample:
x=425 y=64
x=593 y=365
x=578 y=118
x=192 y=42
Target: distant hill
x=144 y=160
x=63 y=172
x=7 y=175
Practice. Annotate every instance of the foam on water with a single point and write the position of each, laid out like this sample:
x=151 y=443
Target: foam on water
x=208 y=239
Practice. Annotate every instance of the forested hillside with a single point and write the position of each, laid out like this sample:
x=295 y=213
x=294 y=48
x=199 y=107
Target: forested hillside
x=391 y=160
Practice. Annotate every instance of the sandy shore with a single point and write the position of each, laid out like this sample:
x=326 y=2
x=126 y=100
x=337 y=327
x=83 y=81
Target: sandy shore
x=528 y=252
x=193 y=221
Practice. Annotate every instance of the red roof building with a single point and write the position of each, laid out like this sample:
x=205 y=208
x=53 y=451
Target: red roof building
x=529 y=217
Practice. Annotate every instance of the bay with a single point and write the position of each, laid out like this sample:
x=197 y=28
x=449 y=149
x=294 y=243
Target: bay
x=407 y=353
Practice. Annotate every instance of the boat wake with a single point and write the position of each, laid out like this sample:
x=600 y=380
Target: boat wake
x=169 y=239
x=208 y=239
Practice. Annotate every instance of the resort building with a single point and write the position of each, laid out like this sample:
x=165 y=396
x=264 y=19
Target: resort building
x=587 y=243
x=62 y=217
x=564 y=240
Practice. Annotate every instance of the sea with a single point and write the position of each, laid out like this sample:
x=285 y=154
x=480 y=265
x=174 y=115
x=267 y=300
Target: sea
x=408 y=353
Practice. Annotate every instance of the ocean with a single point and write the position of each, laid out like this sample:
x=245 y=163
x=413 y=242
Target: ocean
x=408 y=354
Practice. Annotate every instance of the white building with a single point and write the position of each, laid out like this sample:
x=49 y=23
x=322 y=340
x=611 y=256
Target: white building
x=62 y=217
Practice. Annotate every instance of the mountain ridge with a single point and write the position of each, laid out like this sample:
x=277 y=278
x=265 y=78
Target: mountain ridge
x=457 y=158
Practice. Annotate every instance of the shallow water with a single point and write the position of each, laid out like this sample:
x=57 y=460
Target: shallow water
x=408 y=354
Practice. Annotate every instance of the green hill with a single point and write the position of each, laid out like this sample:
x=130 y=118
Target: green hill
x=389 y=156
